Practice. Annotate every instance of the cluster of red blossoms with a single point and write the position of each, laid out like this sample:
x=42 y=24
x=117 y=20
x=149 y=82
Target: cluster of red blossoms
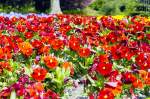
x=113 y=55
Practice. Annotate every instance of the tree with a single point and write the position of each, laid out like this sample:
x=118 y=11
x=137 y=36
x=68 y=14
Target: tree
x=55 y=7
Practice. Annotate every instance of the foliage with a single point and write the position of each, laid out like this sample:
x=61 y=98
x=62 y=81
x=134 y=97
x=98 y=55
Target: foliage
x=114 y=7
x=98 y=7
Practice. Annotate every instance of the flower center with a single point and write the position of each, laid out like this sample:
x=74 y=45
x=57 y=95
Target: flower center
x=51 y=60
x=105 y=97
x=83 y=51
x=39 y=74
x=104 y=68
x=74 y=44
x=145 y=64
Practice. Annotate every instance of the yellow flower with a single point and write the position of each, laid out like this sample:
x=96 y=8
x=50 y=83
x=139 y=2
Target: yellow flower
x=99 y=17
x=119 y=17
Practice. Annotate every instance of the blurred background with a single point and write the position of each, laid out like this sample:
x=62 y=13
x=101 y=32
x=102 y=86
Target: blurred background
x=82 y=7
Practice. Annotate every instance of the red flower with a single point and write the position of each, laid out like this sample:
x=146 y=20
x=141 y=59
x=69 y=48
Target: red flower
x=113 y=76
x=74 y=43
x=14 y=19
x=91 y=96
x=50 y=62
x=51 y=94
x=37 y=44
x=105 y=94
x=116 y=52
x=44 y=50
x=57 y=44
x=103 y=58
x=39 y=74
x=28 y=35
x=140 y=58
x=84 y=52
x=77 y=20
x=21 y=28
x=50 y=19
x=138 y=84
x=128 y=78
x=143 y=61
x=104 y=68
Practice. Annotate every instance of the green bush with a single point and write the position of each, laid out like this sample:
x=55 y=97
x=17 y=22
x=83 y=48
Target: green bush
x=114 y=7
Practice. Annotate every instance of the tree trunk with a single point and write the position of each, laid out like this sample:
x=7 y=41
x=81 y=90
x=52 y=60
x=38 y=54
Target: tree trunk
x=55 y=7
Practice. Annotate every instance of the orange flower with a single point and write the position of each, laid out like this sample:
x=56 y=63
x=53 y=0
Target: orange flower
x=50 y=62
x=1 y=53
x=103 y=58
x=137 y=84
x=7 y=52
x=147 y=82
x=145 y=76
x=44 y=50
x=25 y=48
x=5 y=65
x=68 y=65
x=38 y=86
x=115 y=90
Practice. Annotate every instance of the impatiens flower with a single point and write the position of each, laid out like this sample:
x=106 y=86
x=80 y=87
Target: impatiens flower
x=44 y=50
x=104 y=68
x=50 y=62
x=140 y=58
x=137 y=84
x=77 y=20
x=115 y=87
x=5 y=65
x=105 y=94
x=52 y=94
x=114 y=76
x=21 y=28
x=57 y=44
x=25 y=48
x=68 y=65
x=91 y=96
x=38 y=86
x=28 y=35
x=6 y=92
x=84 y=52
x=103 y=58
x=1 y=53
x=37 y=44
x=31 y=91
x=36 y=40
x=128 y=78
x=74 y=43
x=14 y=19
x=142 y=61
x=145 y=76
x=39 y=74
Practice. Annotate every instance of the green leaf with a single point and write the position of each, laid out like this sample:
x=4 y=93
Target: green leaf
x=13 y=95
x=28 y=71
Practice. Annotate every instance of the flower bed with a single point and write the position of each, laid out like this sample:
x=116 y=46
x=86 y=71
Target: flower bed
x=42 y=56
